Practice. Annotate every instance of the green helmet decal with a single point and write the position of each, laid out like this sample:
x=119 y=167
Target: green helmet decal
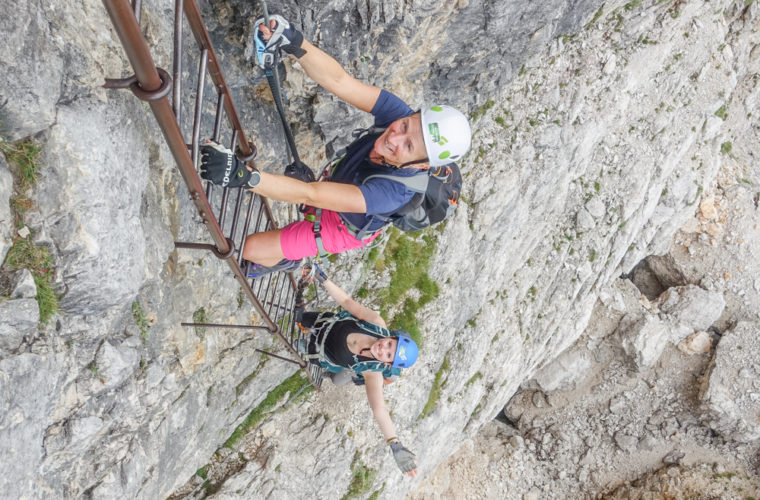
x=436 y=108
x=433 y=128
x=444 y=155
x=402 y=353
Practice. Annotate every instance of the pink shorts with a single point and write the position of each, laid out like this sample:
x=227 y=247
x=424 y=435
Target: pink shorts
x=297 y=239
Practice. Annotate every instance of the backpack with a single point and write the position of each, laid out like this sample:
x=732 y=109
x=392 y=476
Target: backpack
x=430 y=206
x=437 y=191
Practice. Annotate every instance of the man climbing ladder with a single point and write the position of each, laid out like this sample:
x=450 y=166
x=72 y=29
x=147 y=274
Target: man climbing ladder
x=352 y=207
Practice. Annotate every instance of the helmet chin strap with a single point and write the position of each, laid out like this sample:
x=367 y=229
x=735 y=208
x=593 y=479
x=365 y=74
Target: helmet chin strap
x=403 y=165
x=409 y=163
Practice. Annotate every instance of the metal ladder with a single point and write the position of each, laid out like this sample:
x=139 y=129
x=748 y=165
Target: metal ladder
x=229 y=214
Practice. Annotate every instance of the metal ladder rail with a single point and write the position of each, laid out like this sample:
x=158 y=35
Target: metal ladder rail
x=153 y=85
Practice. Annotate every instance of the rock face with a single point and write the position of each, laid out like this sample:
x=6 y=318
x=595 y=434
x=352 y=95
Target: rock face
x=596 y=132
x=19 y=318
x=733 y=392
x=6 y=219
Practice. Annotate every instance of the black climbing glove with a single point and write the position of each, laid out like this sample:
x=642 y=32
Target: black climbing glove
x=284 y=37
x=298 y=170
x=320 y=274
x=220 y=166
x=404 y=458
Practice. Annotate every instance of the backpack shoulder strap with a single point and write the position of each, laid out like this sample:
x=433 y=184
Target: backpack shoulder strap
x=363 y=366
x=417 y=182
x=371 y=329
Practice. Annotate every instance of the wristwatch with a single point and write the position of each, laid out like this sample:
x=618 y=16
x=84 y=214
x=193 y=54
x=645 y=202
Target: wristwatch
x=255 y=178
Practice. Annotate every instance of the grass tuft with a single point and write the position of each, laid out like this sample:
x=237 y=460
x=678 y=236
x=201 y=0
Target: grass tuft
x=24 y=254
x=435 y=391
x=199 y=316
x=23 y=160
x=138 y=313
x=291 y=385
x=412 y=257
x=24 y=157
x=362 y=478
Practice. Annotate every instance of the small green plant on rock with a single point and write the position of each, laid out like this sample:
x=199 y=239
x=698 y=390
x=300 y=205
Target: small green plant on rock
x=482 y=109
x=473 y=379
x=291 y=385
x=199 y=316
x=23 y=160
x=24 y=254
x=202 y=472
x=435 y=391
x=376 y=494
x=138 y=313
x=411 y=258
x=362 y=478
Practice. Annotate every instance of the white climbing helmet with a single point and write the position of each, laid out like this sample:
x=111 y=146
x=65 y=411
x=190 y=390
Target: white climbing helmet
x=446 y=133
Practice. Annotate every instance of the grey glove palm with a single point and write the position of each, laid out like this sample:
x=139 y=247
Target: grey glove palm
x=284 y=37
x=404 y=458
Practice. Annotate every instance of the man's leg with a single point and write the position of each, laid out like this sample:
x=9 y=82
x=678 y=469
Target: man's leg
x=264 y=248
x=296 y=241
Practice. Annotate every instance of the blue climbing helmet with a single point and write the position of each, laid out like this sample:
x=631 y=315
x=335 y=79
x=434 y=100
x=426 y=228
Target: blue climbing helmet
x=406 y=350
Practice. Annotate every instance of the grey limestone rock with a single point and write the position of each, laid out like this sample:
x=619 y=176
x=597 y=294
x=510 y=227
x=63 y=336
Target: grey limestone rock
x=28 y=389
x=674 y=457
x=99 y=237
x=644 y=338
x=33 y=69
x=564 y=371
x=82 y=432
x=18 y=317
x=618 y=404
x=6 y=218
x=732 y=394
x=23 y=285
x=583 y=220
x=690 y=308
x=115 y=364
x=596 y=208
x=110 y=204
x=626 y=442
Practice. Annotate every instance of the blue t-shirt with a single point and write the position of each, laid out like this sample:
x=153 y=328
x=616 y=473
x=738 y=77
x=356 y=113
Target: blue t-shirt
x=383 y=197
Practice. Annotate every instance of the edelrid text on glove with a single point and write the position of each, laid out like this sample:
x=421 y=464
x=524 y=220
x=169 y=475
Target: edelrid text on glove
x=220 y=166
